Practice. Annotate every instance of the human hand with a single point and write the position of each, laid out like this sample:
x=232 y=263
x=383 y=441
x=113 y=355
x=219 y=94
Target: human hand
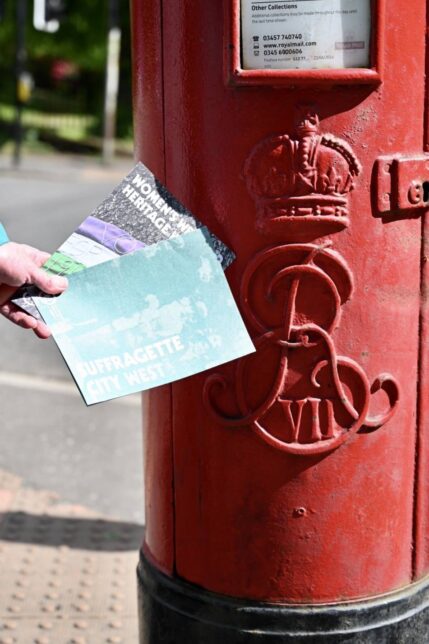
x=21 y=264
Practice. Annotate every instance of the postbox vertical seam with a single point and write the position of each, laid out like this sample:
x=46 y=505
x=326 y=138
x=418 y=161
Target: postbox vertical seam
x=173 y=486
x=172 y=428
x=164 y=125
x=426 y=87
x=419 y=563
x=417 y=555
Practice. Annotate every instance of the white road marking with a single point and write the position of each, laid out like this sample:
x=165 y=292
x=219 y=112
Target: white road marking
x=48 y=385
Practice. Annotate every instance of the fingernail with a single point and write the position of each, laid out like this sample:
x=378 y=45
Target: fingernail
x=60 y=282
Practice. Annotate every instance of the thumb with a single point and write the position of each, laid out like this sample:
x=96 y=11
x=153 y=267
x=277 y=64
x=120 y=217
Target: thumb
x=51 y=284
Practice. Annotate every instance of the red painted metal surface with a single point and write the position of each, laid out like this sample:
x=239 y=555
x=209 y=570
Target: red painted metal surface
x=293 y=471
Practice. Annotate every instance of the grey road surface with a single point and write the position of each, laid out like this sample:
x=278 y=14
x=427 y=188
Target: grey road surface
x=88 y=456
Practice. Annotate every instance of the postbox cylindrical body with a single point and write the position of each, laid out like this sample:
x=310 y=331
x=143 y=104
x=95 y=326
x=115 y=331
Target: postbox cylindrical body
x=287 y=494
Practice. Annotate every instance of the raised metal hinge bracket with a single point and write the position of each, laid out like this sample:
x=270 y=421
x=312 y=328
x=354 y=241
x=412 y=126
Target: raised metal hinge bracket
x=401 y=183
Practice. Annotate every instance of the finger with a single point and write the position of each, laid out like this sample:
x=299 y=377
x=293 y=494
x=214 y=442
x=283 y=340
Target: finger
x=25 y=321
x=17 y=316
x=42 y=331
x=51 y=284
x=39 y=257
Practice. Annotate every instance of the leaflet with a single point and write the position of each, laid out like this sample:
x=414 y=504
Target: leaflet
x=147 y=318
x=139 y=212
x=305 y=34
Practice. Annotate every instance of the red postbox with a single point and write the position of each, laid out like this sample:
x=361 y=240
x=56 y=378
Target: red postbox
x=287 y=494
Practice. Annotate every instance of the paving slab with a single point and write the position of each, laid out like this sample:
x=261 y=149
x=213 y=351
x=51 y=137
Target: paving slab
x=67 y=572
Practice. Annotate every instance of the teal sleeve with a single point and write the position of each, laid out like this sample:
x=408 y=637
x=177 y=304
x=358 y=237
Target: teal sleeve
x=3 y=235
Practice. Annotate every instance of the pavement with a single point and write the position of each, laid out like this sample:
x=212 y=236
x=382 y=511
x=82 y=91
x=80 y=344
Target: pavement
x=71 y=484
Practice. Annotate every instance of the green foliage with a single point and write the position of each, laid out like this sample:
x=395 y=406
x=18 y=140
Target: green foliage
x=81 y=40
x=81 y=37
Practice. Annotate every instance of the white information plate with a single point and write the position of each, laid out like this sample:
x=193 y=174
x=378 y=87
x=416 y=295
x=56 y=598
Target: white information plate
x=305 y=34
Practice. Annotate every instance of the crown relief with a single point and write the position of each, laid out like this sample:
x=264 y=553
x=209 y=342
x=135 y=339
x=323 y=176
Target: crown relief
x=311 y=399
x=301 y=184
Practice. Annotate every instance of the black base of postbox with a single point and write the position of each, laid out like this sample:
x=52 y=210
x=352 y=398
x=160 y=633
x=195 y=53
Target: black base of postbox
x=175 y=612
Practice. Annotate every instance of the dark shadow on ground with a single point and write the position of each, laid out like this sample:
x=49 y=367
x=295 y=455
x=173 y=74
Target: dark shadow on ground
x=83 y=534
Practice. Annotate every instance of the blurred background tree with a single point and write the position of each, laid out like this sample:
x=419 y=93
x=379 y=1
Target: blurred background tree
x=68 y=72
